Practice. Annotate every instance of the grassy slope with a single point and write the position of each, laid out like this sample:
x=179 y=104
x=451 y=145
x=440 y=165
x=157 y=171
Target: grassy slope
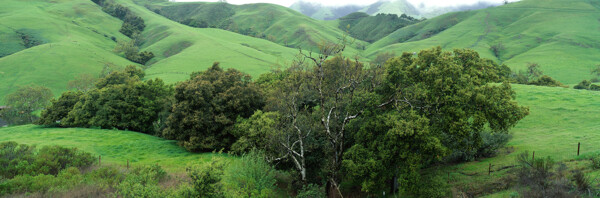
x=248 y=54
x=559 y=119
x=280 y=24
x=559 y=35
x=115 y=147
x=73 y=33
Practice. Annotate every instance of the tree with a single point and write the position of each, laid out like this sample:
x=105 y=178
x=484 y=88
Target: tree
x=122 y=101
x=59 y=109
x=82 y=82
x=534 y=71
x=429 y=106
x=207 y=105
x=24 y=102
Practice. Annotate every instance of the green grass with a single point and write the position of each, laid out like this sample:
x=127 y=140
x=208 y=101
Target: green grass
x=559 y=119
x=115 y=147
x=559 y=35
x=74 y=42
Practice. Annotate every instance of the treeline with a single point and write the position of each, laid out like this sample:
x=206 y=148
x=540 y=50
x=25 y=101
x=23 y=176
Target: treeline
x=333 y=122
x=132 y=27
x=369 y=28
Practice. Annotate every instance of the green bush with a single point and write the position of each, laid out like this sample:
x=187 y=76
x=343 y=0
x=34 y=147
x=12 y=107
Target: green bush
x=250 y=176
x=22 y=160
x=546 y=81
x=311 y=191
x=143 y=182
x=430 y=185
x=596 y=162
x=594 y=87
x=585 y=84
x=206 y=178
x=52 y=159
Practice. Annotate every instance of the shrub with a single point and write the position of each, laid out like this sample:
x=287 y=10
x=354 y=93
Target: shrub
x=311 y=191
x=250 y=176
x=546 y=81
x=596 y=162
x=585 y=84
x=206 y=178
x=594 y=87
x=143 y=182
x=52 y=159
x=429 y=185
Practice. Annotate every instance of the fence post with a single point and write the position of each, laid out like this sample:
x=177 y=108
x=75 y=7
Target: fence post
x=533 y=157
x=99 y=160
x=448 y=177
x=490 y=169
x=127 y=164
x=578 y=147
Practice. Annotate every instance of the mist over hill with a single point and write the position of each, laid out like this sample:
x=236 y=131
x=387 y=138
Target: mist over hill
x=399 y=7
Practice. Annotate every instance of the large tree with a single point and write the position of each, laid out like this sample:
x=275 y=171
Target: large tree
x=430 y=106
x=22 y=104
x=120 y=100
x=208 y=104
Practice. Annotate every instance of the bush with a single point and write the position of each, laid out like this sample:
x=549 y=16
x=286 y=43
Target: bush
x=430 y=185
x=488 y=147
x=546 y=81
x=22 y=160
x=596 y=162
x=143 y=182
x=206 y=178
x=52 y=159
x=594 y=87
x=250 y=176
x=311 y=191
x=585 y=84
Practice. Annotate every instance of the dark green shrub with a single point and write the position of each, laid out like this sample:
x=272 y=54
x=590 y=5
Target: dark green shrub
x=595 y=87
x=430 y=185
x=585 y=84
x=59 y=109
x=15 y=159
x=52 y=159
x=546 y=81
x=311 y=191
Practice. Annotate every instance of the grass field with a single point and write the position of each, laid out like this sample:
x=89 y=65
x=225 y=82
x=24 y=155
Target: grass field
x=115 y=147
x=559 y=119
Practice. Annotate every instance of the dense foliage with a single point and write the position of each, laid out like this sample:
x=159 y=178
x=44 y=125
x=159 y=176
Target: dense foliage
x=208 y=104
x=120 y=100
x=372 y=28
x=132 y=24
x=20 y=159
x=21 y=104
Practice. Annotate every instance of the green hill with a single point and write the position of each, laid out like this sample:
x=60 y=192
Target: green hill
x=267 y=21
x=70 y=37
x=556 y=34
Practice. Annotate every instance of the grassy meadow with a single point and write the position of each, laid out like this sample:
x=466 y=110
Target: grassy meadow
x=559 y=119
x=115 y=147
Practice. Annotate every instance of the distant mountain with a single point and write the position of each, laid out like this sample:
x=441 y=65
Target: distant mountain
x=398 y=7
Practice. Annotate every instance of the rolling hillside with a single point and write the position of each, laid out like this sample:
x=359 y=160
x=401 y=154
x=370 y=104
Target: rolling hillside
x=267 y=21
x=70 y=37
x=559 y=35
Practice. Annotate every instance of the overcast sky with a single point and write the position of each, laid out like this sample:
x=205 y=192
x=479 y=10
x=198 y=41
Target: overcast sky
x=427 y=3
